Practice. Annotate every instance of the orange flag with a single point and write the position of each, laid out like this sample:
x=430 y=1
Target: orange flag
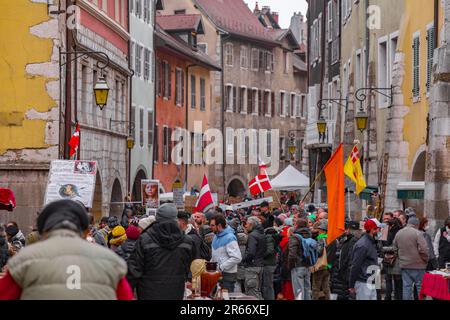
x=334 y=173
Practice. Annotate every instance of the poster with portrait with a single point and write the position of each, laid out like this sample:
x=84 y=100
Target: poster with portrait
x=73 y=180
x=150 y=194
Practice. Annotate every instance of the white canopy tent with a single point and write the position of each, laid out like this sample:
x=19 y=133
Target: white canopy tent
x=290 y=180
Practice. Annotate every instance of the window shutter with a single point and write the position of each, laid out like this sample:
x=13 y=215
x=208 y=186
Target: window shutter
x=182 y=88
x=416 y=66
x=430 y=51
x=260 y=102
x=272 y=100
x=169 y=78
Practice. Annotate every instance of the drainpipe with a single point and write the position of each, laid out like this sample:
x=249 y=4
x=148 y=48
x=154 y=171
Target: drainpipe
x=68 y=89
x=222 y=112
x=130 y=99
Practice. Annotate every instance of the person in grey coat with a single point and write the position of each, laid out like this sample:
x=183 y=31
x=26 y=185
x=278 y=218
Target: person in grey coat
x=413 y=255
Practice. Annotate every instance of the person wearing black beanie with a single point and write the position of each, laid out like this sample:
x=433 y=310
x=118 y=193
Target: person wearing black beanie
x=63 y=265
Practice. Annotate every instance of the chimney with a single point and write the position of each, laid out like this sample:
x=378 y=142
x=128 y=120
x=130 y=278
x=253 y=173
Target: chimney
x=276 y=16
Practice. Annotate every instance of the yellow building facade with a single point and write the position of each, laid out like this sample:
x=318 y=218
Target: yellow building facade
x=29 y=113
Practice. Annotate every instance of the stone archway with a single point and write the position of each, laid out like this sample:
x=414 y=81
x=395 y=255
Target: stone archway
x=116 y=196
x=418 y=171
x=136 y=195
x=97 y=203
x=236 y=188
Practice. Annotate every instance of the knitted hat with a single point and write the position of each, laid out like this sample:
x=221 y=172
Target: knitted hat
x=133 y=232
x=118 y=231
x=413 y=221
x=167 y=212
x=146 y=222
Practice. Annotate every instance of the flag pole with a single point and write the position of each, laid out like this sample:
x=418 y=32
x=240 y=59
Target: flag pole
x=313 y=184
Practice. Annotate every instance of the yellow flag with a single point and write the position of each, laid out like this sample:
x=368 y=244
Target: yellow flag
x=353 y=170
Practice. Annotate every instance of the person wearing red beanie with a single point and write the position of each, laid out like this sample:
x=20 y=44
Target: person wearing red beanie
x=126 y=248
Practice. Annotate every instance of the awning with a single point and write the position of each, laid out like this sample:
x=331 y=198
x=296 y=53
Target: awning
x=366 y=194
x=7 y=199
x=413 y=190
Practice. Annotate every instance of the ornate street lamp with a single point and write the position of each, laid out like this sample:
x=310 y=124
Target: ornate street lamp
x=362 y=118
x=130 y=142
x=101 y=91
x=322 y=126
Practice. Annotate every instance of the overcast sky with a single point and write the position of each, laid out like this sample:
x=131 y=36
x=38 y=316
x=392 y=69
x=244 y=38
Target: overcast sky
x=286 y=8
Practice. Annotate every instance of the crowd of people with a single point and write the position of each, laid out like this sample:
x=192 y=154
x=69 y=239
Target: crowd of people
x=280 y=254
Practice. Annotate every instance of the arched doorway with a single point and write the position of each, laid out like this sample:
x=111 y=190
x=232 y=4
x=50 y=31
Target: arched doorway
x=418 y=172
x=116 y=196
x=137 y=185
x=236 y=188
x=97 y=203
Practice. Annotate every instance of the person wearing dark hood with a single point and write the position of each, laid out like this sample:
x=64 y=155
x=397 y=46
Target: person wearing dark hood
x=63 y=265
x=15 y=236
x=391 y=263
x=127 y=215
x=4 y=256
x=159 y=266
x=300 y=261
x=253 y=259
x=270 y=260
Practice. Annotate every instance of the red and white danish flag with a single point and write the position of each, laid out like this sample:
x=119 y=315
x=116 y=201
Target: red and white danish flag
x=205 y=200
x=261 y=183
x=74 y=142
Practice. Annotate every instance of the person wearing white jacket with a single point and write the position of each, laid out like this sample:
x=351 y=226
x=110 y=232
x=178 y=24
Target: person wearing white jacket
x=225 y=251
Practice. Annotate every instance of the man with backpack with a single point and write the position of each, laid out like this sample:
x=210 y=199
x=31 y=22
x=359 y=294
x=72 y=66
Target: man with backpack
x=302 y=255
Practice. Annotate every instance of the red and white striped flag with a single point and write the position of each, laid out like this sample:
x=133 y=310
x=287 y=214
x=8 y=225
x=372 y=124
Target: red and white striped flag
x=74 y=142
x=262 y=167
x=205 y=200
x=261 y=183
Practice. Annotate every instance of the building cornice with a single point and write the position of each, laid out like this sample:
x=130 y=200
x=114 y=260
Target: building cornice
x=103 y=17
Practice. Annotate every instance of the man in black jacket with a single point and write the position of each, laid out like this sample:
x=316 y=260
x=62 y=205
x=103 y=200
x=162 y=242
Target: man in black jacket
x=254 y=257
x=202 y=251
x=270 y=262
x=341 y=264
x=160 y=264
x=364 y=263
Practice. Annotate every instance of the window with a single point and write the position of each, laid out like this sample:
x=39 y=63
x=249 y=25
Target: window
x=167 y=80
x=286 y=62
x=193 y=92
x=260 y=102
x=255 y=59
x=255 y=101
x=416 y=66
x=319 y=37
x=202 y=94
x=159 y=78
x=250 y=100
x=330 y=21
x=266 y=103
x=228 y=98
x=139 y=8
x=282 y=148
x=146 y=64
x=244 y=57
x=392 y=50
x=179 y=87
x=303 y=106
x=269 y=143
x=268 y=60
x=146 y=10
x=293 y=104
x=150 y=129
x=84 y=91
x=156 y=145
x=203 y=47
x=229 y=54
x=358 y=68
x=138 y=62
x=431 y=42
x=133 y=119
x=234 y=99
x=242 y=99
x=382 y=69
x=141 y=127
x=165 y=145
x=272 y=103
x=282 y=104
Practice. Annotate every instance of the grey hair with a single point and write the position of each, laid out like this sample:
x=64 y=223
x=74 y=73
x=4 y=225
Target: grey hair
x=254 y=221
